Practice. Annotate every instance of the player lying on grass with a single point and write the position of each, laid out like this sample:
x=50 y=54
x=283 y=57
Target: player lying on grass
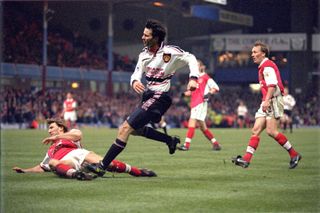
x=66 y=157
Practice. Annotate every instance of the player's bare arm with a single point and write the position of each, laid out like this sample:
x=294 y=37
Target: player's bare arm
x=213 y=91
x=35 y=169
x=187 y=93
x=73 y=134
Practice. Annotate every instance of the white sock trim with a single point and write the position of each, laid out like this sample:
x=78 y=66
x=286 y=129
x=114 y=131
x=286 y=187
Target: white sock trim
x=250 y=149
x=70 y=172
x=188 y=140
x=287 y=145
x=128 y=168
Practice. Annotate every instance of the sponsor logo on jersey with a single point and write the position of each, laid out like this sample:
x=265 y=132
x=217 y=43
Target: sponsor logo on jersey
x=166 y=57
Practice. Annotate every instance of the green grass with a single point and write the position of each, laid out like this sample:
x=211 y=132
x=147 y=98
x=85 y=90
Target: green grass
x=199 y=180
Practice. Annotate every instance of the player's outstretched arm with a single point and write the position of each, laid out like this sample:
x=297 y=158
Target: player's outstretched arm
x=35 y=169
x=73 y=134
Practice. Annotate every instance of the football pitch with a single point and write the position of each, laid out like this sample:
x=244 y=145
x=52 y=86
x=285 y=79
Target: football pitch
x=199 y=180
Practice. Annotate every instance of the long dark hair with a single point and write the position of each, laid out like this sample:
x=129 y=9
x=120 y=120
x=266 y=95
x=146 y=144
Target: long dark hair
x=158 y=30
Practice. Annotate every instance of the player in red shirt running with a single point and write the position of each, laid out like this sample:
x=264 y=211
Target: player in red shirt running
x=67 y=158
x=199 y=108
x=271 y=108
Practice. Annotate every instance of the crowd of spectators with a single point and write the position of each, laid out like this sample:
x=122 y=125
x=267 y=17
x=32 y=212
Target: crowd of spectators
x=23 y=39
x=242 y=59
x=31 y=106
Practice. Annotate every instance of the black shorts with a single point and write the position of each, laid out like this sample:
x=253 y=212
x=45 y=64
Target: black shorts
x=241 y=117
x=153 y=106
x=288 y=112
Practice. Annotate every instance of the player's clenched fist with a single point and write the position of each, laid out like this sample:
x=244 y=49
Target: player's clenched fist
x=138 y=87
x=192 y=85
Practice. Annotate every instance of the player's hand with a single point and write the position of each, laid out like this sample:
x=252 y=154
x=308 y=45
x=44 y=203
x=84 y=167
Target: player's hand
x=48 y=140
x=138 y=87
x=187 y=93
x=266 y=106
x=18 y=169
x=192 y=85
x=206 y=97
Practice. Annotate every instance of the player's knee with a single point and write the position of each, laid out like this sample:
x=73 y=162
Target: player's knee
x=53 y=163
x=255 y=131
x=125 y=129
x=271 y=132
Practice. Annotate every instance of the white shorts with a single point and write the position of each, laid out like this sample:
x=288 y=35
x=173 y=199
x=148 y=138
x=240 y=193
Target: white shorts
x=77 y=156
x=199 y=112
x=276 y=109
x=72 y=116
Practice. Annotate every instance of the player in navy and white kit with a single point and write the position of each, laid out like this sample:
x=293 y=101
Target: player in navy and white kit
x=271 y=108
x=199 y=107
x=158 y=62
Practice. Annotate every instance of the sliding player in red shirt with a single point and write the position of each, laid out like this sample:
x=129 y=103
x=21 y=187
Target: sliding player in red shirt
x=67 y=158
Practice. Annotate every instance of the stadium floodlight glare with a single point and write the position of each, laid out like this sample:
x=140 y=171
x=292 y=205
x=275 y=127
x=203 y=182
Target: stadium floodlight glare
x=158 y=4
x=75 y=85
x=223 y=2
x=255 y=87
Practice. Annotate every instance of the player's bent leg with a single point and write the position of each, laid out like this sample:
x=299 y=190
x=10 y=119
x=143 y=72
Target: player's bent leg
x=92 y=157
x=124 y=132
x=116 y=148
x=153 y=134
x=208 y=134
x=66 y=171
x=189 y=135
x=272 y=127
x=282 y=140
x=254 y=140
x=259 y=126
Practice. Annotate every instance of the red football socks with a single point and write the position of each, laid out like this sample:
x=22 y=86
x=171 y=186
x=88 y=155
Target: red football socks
x=64 y=170
x=251 y=148
x=283 y=141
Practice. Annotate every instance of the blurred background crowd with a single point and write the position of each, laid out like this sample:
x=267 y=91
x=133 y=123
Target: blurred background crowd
x=66 y=48
x=29 y=105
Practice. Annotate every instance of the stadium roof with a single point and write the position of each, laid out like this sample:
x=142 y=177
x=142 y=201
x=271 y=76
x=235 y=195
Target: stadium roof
x=129 y=17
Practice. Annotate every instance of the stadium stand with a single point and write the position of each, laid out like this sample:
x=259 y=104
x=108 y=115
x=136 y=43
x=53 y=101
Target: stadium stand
x=27 y=107
x=73 y=56
x=65 y=48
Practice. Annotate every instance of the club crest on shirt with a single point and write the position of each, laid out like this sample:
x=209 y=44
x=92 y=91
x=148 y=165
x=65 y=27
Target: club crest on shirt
x=166 y=57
